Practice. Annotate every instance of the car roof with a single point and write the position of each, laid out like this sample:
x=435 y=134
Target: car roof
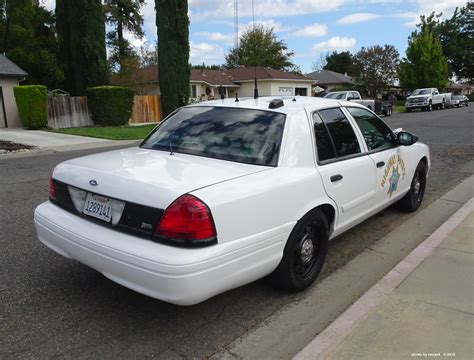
x=289 y=106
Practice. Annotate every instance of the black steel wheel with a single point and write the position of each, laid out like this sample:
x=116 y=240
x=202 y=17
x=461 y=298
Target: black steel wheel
x=304 y=253
x=412 y=200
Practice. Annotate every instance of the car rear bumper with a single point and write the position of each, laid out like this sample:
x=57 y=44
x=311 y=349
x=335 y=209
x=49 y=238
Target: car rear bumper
x=183 y=276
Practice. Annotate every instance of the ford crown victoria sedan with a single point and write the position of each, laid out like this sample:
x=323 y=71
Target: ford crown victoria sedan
x=223 y=193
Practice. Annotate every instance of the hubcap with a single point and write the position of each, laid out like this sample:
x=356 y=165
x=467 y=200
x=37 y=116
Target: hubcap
x=307 y=250
x=417 y=187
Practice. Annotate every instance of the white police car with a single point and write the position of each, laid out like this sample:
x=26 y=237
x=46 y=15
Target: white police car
x=223 y=193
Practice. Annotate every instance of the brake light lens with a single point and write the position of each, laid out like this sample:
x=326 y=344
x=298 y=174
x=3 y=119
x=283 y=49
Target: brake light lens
x=52 y=190
x=187 y=218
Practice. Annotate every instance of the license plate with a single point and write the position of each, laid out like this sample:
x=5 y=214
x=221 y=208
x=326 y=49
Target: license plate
x=98 y=207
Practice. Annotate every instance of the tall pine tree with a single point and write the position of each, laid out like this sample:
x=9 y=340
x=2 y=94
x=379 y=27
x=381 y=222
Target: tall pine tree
x=173 y=53
x=81 y=32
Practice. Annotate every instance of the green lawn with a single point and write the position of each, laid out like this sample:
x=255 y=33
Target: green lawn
x=110 y=132
x=399 y=108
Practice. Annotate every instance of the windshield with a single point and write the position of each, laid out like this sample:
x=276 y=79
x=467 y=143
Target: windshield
x=335 y=95
x=457 y=97
x=242 y=135
x=422 y=92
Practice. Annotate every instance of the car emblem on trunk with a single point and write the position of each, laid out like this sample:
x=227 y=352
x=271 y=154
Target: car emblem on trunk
x=93 y=183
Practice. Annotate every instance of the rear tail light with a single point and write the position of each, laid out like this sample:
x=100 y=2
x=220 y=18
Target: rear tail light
x=52 y=190
x=187 y=220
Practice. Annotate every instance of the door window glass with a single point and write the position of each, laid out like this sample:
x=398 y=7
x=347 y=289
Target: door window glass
x=324 y=145
x=377 y=134
x=343 y=136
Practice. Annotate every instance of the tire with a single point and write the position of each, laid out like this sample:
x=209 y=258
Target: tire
x=413 y=198
x=304 y=253
x=408 y=109
x=429 y=107
x=443 y=105
x=389 y=112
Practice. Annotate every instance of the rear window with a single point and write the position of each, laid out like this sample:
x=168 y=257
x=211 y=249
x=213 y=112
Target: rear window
x=241 y=135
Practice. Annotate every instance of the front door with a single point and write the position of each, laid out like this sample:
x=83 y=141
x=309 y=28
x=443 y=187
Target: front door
x=391 y=178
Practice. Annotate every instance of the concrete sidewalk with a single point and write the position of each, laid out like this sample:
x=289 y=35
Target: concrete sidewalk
x=424 y=307
x=45 y=140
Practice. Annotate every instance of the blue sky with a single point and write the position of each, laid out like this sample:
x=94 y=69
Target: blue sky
x=309 y=27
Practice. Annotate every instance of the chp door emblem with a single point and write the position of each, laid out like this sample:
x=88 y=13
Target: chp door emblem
x=93 y=182
x=394 y=170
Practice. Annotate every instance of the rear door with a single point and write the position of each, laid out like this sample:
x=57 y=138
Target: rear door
x=348 y=173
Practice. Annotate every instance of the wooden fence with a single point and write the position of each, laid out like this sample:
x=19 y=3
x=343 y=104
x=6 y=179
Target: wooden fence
x=65 y=111
x=146 y=108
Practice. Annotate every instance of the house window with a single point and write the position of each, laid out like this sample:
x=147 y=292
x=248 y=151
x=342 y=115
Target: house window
x=193 y=91
x=301 y=91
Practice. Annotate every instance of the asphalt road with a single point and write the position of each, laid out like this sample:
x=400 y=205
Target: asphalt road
x=54 y=307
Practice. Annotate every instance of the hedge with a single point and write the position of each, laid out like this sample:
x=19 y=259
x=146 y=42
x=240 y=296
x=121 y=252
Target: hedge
x=471 y=97
x=110 y=105
x=31 y=101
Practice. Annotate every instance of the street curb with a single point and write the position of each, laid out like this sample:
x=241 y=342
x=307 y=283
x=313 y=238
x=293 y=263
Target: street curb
x=323 y=344
x=86 y=146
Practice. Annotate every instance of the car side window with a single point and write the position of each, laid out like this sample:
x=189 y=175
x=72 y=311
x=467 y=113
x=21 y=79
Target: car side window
x=342 y=134
x=324 y=145
x=377 y=135
x=354 y=95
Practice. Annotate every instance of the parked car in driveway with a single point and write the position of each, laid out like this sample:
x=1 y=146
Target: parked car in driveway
x=223 y=193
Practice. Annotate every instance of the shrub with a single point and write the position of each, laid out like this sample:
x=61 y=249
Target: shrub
x=31 y=101
x=110 y=105
x=471 y=97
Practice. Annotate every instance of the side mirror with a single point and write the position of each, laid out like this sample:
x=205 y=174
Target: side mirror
x=406 y=139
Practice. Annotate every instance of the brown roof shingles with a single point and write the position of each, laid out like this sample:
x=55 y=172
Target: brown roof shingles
x=225 y=77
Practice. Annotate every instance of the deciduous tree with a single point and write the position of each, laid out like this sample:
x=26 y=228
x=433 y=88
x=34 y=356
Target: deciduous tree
x=81 y=33
x=259 y=46
x=456 y=36
x=378 y=67
x=28 y=38
x=342 y=63
x=424 y=65
x=173 y=53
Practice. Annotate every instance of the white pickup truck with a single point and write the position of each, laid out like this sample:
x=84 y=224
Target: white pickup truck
x=379 y=107
x=427 y=99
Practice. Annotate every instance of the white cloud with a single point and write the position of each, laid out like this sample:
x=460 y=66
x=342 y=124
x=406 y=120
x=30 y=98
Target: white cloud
x=426 y=7
x=313 y=30
x=205 y=52
x=201 y=10
x=357 y=18
x=335 y=43
x=269 y=23
x=217 y=36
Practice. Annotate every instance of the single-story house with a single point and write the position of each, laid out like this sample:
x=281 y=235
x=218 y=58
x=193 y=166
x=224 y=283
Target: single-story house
x=206 y=84
x=10 y=75
x=328 y=80
x=461 y=89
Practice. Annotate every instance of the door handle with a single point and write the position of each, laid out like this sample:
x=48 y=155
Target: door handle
x=380 y=163
x=335 y=178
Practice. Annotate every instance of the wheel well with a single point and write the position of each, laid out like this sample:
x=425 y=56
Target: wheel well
x=424 y=160
x=329 y=212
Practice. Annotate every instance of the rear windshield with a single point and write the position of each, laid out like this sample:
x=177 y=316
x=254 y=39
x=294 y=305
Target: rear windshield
x=337 y=96
x=241 y=135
